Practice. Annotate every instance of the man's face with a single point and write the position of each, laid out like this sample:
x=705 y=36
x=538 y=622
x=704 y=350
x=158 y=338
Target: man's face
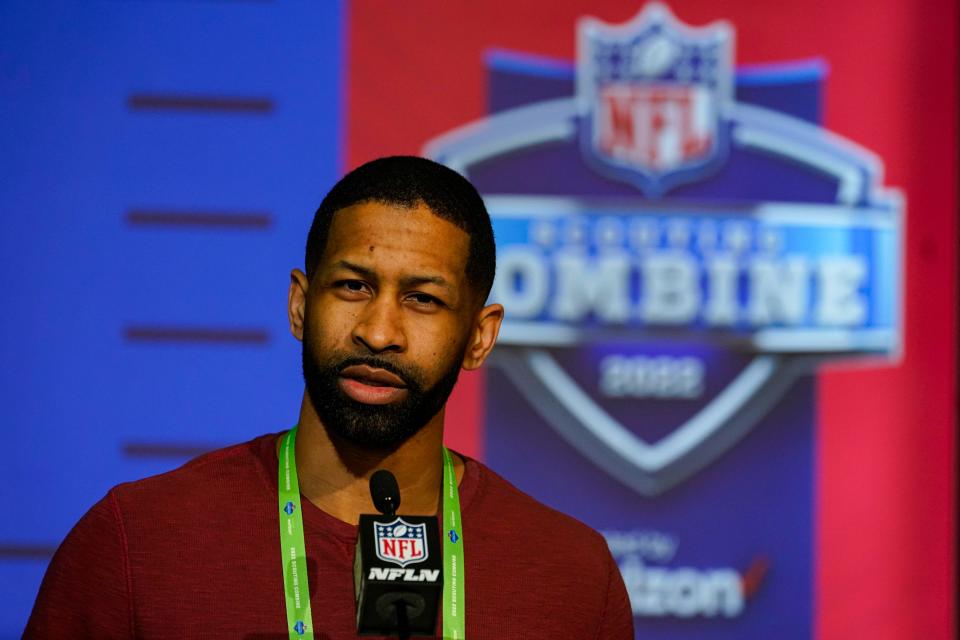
x=386 y=322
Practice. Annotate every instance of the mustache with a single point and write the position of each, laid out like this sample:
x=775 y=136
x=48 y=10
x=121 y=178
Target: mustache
x=410 y=378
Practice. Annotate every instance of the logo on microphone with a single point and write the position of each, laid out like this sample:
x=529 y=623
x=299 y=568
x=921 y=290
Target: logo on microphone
x=400 y=542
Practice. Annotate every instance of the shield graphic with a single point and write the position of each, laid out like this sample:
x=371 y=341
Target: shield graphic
x=400 y=542
x=653 y=333
x=652 y=94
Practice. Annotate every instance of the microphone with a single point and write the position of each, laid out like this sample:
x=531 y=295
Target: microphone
x=397 y=570
x=385 y=492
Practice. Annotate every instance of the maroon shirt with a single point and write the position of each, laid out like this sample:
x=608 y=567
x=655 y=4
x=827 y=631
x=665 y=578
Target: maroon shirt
x=196 y=553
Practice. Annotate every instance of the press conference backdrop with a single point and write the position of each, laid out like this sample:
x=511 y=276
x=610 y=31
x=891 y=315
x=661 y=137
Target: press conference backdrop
x=726 y=238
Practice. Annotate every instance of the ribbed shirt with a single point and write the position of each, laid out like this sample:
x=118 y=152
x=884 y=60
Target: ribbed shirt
x=195 y=553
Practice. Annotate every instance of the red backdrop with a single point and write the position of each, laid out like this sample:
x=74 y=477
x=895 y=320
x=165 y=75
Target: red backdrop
x=886 y=435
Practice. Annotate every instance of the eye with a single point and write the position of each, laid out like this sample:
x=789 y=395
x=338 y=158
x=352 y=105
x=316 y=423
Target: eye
x=425 y=300
x=351 y=288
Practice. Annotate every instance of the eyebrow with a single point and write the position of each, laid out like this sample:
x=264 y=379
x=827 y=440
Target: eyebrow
x=406 y=281
x=356 y=268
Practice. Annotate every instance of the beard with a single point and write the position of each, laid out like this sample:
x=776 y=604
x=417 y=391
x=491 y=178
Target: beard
x=373 y=426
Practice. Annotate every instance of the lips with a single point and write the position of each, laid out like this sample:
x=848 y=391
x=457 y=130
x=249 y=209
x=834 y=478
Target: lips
x=371 y=385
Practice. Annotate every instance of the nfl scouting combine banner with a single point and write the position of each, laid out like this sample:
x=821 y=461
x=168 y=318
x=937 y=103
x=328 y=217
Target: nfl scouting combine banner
x=680 y=243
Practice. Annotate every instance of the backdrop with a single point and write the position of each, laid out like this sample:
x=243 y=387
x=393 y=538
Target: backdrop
x=727 y=240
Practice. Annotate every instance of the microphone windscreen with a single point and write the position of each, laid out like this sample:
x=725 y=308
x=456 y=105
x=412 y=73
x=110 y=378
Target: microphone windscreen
x=385 y=492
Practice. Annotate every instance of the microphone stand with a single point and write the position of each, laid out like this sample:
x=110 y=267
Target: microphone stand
x=403 y=624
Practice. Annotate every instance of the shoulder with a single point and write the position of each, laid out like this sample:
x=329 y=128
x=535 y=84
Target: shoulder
x=528 y=519
x=530 y=563
x=86 y=589
x=203 y=485
x=232 y=462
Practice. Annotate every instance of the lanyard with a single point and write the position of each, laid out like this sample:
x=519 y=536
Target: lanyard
x=293 y=554
x=454 y=605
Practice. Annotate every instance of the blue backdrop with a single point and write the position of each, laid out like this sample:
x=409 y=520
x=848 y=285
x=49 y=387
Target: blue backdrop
x=159 y=166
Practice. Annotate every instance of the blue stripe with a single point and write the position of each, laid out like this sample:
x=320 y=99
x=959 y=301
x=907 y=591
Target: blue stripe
x=752 y=75
x=780 y=73
x=516 y=62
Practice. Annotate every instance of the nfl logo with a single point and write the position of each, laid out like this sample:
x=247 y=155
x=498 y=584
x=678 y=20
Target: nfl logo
x=652 y=95
x=400 y=542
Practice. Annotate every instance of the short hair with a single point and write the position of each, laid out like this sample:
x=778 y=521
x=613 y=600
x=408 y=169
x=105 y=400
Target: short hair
x=408 y=181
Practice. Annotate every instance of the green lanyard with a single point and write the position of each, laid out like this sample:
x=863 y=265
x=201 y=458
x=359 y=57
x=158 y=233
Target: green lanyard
x=454 y=604
x=293 y=554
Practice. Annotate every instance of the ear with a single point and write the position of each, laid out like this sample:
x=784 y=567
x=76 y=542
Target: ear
x=485 y=330
x=296 y=302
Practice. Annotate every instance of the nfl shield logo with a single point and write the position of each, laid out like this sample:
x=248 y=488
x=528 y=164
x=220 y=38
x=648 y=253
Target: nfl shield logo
x=400 y=542
x=652 y=95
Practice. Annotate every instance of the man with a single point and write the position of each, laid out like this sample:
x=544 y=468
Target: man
x=399 y=262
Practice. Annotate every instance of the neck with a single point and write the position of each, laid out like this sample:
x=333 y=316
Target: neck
x=335 y=475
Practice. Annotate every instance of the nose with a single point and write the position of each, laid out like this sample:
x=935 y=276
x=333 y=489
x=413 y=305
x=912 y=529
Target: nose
x=379 y=328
